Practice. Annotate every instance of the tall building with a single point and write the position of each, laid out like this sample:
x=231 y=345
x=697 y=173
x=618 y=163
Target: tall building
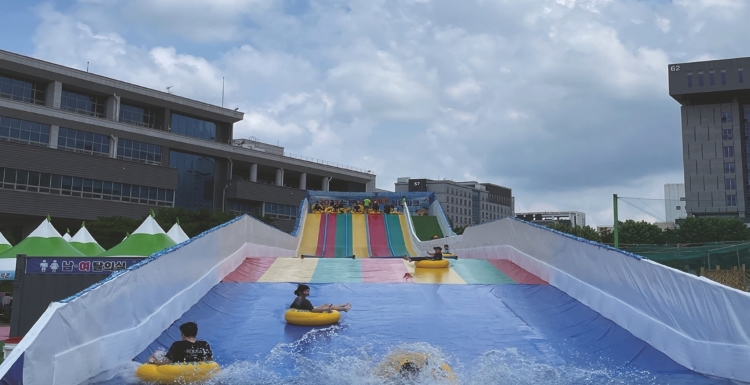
x=570 y=218
x=77 y=146
x=465 y=203
x=715 y=106
x=674 y=202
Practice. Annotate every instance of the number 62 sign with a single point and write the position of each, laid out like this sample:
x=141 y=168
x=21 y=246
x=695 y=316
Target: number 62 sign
x=675 y=68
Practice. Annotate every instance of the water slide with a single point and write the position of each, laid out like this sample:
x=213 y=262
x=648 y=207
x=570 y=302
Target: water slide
x=524 y=305
x=407 y=236
x=426 y=227
x=359 y=236
x=378 y=236
x=395 y=235
x=310 y=233
x=491 y=321
x=343 y=235
x=327 y=235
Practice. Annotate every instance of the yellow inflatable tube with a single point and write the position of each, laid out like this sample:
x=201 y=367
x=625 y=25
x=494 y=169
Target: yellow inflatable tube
x=308 y=318
x=178 y=373
x=441 y=264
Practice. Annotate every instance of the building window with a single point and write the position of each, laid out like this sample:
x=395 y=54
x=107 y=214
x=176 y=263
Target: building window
x=14 y=179
x=195 y=182
x=196 y=128
x=729 y=151
x=276 y=210
x=732 y=200
x=700 y=78
x=23 y=131
x=726 y=117
x=723 y=76
x=690 y=79
x=711 y=77
x=83 y=104
x=137 y=116
x=728 y=167
x=727 y=134
x=730 y=184
x=82 y=141
x=138 y=151
x=740 y=75
x=21 y=90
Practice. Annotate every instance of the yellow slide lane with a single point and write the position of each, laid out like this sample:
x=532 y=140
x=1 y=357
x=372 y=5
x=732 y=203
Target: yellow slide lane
x=407 y=237
x=309 y=244
x=359 y=236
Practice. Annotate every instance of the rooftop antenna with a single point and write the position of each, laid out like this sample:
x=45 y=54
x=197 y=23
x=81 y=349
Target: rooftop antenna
x=169 y=89
x=87 y=66
x=222 y=92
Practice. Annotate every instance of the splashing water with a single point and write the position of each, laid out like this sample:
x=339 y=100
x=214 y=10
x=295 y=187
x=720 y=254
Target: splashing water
x=323 y=356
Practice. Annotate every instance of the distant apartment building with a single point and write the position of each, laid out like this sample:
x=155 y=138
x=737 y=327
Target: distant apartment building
x=465 y=203
x=570 y=218
x=674 y=202
x=715 y=108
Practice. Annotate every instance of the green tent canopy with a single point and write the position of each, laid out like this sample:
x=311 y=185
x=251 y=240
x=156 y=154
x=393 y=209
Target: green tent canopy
x=4 y=244
x=45 y=241
x=85 y=243
x=147 y=239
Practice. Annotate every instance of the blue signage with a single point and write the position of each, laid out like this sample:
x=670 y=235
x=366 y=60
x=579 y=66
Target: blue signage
x=75 y=265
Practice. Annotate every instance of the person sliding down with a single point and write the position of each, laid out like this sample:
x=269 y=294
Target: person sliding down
x=436 y=256
x=302 y=303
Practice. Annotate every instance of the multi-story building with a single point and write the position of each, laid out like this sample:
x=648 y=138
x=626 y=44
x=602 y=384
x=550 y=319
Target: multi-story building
x=78 y=146
x=674 y=202
x=715 y=100
x=465 y=203
x=570 y=218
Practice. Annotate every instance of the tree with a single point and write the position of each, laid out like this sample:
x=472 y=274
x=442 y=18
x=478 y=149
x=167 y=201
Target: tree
x=607 y=236
x=712 y=229
x=110 y=231
x=193 y=222
x=632 y=232
x=585 y=232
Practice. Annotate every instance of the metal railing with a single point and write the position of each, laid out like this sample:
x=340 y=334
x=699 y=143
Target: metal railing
x=327 y=163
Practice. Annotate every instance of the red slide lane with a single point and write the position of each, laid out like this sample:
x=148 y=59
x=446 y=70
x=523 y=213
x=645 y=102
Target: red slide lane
x=378 y=236
x=330 y=250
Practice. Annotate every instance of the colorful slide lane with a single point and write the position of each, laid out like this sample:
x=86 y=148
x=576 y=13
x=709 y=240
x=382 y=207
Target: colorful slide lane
x=346 y=235
x=378 y=236
x=501 y=325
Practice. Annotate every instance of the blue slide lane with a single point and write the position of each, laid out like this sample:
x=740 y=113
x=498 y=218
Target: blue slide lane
x=503 y=334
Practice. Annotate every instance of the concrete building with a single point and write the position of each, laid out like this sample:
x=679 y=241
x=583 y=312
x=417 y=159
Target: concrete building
x=715 y=106
x=674 y=202
x=77 y=146
x=570 y=218
x=465 y=203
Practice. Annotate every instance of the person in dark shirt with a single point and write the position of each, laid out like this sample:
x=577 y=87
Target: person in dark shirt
x=317 y=208
x=189 y=349
x=302 y=303
x=387 y=208
x=435 y=256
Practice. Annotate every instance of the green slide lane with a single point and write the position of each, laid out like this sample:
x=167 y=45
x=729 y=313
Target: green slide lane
x=343 y=235
x=395 y=235
x=426 y=227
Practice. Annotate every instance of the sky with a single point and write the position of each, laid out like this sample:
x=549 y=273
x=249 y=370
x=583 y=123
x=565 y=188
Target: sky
x=565 y=102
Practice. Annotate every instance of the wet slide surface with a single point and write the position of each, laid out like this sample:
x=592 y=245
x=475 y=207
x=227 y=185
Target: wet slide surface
x=378 y=236
x=496 y=331
x=395 y=235
x=310 y=229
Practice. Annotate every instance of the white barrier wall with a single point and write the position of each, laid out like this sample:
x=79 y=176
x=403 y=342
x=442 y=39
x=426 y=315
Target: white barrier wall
x=94 y=332
x=700 y=324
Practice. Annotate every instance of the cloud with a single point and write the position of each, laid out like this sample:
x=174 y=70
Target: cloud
x=564 y=101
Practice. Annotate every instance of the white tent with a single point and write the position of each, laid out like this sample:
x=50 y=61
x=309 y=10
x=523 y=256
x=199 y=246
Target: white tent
x=176 y=233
